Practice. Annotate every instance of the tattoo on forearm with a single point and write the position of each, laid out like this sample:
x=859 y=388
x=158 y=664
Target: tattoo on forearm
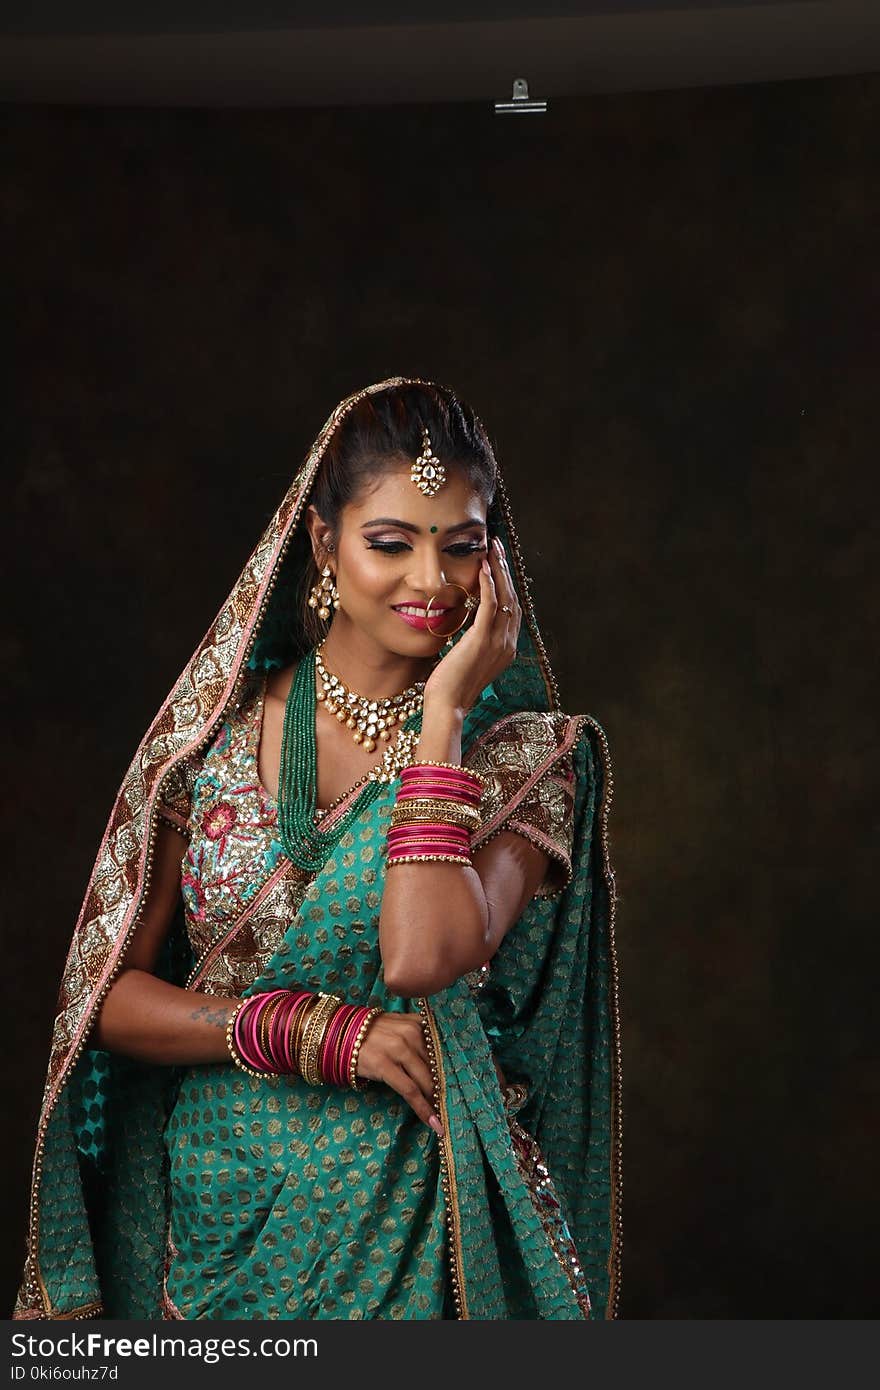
x=211 y=1014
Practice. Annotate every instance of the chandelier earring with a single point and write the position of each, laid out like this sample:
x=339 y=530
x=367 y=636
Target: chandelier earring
x=324 y=594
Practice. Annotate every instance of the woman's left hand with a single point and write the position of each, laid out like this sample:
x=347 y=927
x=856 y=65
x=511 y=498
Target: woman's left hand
x=487 y=647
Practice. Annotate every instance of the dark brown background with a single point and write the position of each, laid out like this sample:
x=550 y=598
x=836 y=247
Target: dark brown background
x=665 y=307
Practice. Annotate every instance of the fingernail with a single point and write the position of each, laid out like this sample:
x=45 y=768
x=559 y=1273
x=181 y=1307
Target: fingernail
x=435 y=1124
x=498 y=546
x=484 y=565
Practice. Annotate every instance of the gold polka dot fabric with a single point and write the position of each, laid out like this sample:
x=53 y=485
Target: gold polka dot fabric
x=289 y=1202
x=286 y=1200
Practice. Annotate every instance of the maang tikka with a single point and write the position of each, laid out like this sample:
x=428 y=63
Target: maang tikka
x=427 y=472
x=429 y=475
x=324 y=593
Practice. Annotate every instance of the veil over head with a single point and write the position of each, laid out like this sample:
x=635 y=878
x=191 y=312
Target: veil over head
x=549 y=1012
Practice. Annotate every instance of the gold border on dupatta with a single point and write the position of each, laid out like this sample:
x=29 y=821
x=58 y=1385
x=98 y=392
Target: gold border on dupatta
x=448 y=1179
x=276 y=537
x=615 y=1254
x=33 y=1299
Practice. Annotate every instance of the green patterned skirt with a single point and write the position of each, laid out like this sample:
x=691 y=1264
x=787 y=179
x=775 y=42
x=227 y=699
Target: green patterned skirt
x=290 y=1201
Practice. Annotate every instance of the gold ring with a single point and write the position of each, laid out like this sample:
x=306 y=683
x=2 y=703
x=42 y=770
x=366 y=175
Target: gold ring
x=506 y=608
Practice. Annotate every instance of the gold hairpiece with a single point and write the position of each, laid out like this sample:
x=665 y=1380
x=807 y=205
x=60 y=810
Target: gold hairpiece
x=427 y=472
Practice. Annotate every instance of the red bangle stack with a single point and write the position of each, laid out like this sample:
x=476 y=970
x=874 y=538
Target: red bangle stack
x=435 y=813
x=294 y=1032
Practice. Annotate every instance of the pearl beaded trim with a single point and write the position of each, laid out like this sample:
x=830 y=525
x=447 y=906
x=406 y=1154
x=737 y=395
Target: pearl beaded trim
x=426 y=858
x=358 y=1042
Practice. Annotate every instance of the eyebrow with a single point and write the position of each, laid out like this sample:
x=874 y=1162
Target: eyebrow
x=416 y=530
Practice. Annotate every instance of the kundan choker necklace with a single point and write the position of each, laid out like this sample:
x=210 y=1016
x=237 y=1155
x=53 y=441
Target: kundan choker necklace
x=369 y=720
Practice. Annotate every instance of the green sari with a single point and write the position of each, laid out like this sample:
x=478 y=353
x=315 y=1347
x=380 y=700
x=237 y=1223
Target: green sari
x=172 y=1192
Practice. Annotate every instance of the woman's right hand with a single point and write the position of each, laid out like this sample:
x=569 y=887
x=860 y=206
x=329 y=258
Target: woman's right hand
x=394 y=1051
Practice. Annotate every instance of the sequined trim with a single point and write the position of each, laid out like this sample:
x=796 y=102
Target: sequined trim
x=534 y=1172
x=530 y=786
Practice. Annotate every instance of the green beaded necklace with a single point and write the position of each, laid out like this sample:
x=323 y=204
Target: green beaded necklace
x=305 y=843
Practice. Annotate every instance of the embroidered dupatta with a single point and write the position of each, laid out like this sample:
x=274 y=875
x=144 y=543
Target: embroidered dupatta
x=549 y=1011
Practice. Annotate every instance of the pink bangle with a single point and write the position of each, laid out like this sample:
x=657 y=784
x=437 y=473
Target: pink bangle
x=331 y=1040
x=405 y=835
x=420 y=778
x=299 y=1001
x=455 y=783
x=244 y=1033
x=268 y=1024
x=414 y=826
x=453 y=791
x=443 y=772
x=240 y=1033
x=426 y=845
x=255 y=1054
x=429 y=827
x=279 y=1033
x=346 y=1045
x=444 y=777
x=341 y=1041
x=433 y=837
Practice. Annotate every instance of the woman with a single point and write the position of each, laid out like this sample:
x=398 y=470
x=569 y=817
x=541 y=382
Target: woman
x=337 y=1035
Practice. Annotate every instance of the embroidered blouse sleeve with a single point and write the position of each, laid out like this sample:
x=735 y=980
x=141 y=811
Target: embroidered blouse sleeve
x=175 y=796
x=545 y=816
x=539 y=807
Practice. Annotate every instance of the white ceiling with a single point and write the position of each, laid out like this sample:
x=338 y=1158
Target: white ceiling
x=282 y=53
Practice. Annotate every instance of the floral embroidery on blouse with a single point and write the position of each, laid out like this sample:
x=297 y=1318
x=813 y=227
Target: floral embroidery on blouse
x=230 y=820
x=231 y=824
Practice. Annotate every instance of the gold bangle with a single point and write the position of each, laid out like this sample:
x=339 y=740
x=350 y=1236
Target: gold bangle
x=418 y=809
x=313 y=1037
x=340 y=1034
x=355 y=1052
x=304 y=1050
x=333 y=1006
x=303 y=1012
x=265 y=1023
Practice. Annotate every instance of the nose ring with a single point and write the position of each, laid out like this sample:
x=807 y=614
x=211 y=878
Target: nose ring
x=470 y=603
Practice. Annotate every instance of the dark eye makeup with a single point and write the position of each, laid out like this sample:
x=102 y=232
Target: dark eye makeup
x=395 y=547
